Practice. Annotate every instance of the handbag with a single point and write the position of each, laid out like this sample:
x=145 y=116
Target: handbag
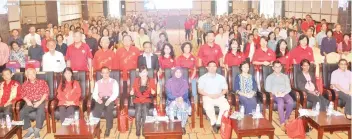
x=295 y=129
x=225 y=127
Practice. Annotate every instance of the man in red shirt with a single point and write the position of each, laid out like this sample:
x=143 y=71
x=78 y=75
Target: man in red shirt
x=78 y=54
x=34 y=93
x=104 y=56
x=308 y=23
x=210 y=51
x=10 y=90
x=188 y=27
x=126 y=57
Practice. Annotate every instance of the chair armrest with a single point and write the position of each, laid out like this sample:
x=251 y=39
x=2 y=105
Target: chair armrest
x=302 y=97
x=89 y=103
x=53 y=105
x=117 y=102
x=229 y=98
x=328 y=93
x=47 y=103
x=237 y=101
x=263 y=96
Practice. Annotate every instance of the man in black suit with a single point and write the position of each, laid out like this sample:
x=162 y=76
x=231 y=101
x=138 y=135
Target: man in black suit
x=148 y=59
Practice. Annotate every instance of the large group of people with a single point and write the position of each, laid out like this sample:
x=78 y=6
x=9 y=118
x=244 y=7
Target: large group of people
x=141 y=43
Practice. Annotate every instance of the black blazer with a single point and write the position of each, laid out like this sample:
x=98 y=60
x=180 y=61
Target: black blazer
x=155 y=62
x=301 y=81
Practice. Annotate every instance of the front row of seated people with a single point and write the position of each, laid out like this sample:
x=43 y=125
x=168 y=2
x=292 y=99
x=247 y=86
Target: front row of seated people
x=212 y=88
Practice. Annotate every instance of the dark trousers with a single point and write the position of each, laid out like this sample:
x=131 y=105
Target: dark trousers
x=66 y=112
x=100 y=108
x=347 y=99
x=187 y=36
x=141 y=114
x=5 y=111
x=39 y=118
x=323 y=102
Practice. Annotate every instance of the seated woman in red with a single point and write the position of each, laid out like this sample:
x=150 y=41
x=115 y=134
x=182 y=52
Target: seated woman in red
x=263 y=55
x=234 y=56
x=143 y=90
x=282 y=54
x=69 y=93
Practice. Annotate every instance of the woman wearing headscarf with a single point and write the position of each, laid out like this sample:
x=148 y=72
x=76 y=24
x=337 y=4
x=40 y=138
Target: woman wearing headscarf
x=177 y=102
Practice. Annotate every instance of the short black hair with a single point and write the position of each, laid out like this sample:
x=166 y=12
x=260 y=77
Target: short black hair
x=126 y=36
x=276 y=62
x=105 y=67
x=146 y=42
x=244 y=63
x=302 y=37
x=6 y=69
x=304 y=61
x=342 y=60
x=231 y=42
x=211 y=62
x=329 y=30
x=206 y=34
x=184 y=45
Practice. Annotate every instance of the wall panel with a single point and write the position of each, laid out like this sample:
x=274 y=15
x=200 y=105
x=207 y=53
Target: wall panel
x=33 y=12
x=70 y=10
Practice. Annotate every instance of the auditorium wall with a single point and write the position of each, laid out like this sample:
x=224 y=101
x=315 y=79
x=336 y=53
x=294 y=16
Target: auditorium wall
x=95 y=8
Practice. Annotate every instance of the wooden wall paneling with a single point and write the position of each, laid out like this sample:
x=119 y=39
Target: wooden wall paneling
x=335 y=8
x=298 y=7
x=326 y=7
x=316 y=17
x=327 y=17
x=307 y=6
x=316 y=7
x=292 y=6
x=334 y=19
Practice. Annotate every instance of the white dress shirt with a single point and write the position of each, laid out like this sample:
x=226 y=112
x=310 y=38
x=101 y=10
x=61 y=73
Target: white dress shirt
x=115 y=90
x=55 y=63
x=148 y=59
x=29 y=37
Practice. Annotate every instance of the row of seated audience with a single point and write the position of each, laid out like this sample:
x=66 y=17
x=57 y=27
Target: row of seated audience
x=140 y=53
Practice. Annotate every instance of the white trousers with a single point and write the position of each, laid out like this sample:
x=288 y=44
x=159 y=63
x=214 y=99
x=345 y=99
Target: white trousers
x=209 y=104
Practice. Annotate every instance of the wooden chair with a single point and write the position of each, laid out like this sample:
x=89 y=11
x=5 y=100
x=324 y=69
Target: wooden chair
x=303 y=95
x=185 y=72
x=82 y=78
x=201 y=111
x=49 y=77
x=19 y=77
x=233 y=72
x=114 y=74
x=327 y=70
x=265 y=72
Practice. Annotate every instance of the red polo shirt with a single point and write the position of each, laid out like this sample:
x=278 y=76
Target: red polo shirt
x=298 y=54
x=338 y=36
x=126 y=60
x=261 y=56
x=103 y=58
x=305 y=25
x=45 y=49
x=166 y=63
x=188 y=25
x=207 y=54
x=318 y=28
x=79 y=57
x=234 y=60
x=184 y=62
x=285 y=60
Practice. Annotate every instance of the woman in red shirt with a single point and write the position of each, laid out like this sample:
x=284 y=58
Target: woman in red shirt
x=345 y=45
x=337 y=34
x=68 y=94
x=166 y=59
x=143 y=90
x=187 y=60
x=47 y=37
x=263 y=55
x=234 y=56
x=256 y=37
x=282 y=54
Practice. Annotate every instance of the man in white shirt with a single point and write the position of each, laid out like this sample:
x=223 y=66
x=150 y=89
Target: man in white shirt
x=105 y=92
x=321 y=34
x=213 y=87
x=264 y=31
x=31 y=35
x=53 y=60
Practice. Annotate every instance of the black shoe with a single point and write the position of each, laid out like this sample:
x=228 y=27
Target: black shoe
x=184 y=131
x=215 y=129
x=107 y=133
x=218 y=126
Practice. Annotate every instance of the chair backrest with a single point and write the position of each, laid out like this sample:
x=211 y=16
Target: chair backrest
x=115 y=74
x=19 y=77
x=81 y=77
x=327 y=71
x=35 y=63
x=167 y=74
x=297 y=69
x=13 y=65
x=49 y=77
x=203 y=70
